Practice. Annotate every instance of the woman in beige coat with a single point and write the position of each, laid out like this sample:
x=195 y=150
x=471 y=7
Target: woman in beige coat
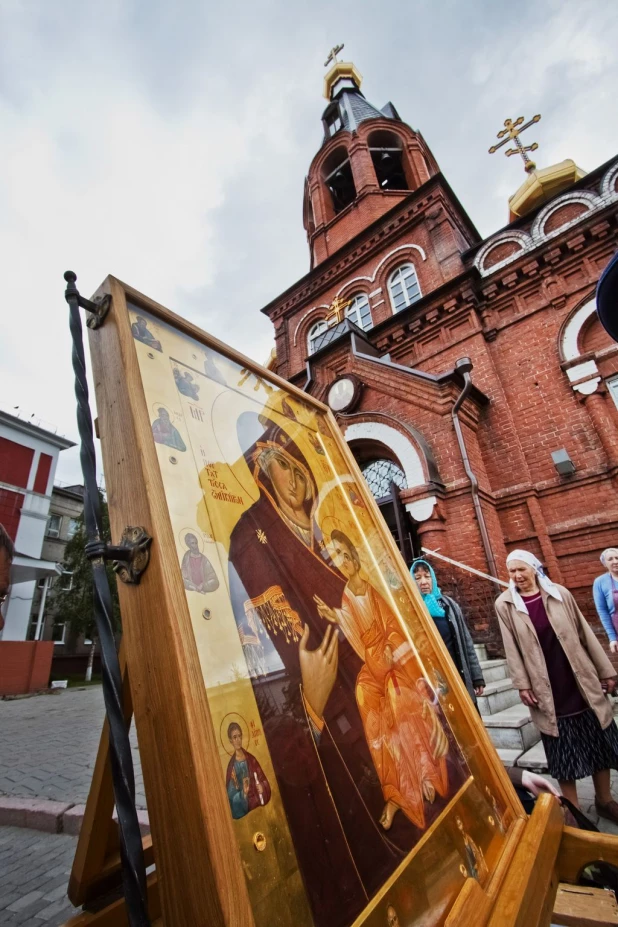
x=562 y=674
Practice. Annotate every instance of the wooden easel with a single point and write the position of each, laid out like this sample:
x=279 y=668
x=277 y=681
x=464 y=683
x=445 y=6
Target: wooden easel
x=199 y=878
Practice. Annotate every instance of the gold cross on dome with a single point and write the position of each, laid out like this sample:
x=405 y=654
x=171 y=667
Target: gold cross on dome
x=336 y=311
x=332 y=55
x=511 y=132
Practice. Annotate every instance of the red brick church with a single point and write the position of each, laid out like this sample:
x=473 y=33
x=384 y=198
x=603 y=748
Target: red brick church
x=471 y=378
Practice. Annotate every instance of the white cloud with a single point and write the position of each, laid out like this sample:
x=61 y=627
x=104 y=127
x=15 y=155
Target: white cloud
x=168 y=143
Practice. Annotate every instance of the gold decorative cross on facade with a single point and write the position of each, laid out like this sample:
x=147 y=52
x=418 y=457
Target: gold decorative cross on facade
x=246 y=374
x=336 y=311
x=511 y=132
x=332 y=55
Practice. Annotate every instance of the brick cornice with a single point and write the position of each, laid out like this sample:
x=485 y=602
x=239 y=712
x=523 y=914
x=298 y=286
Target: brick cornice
x=373 y=240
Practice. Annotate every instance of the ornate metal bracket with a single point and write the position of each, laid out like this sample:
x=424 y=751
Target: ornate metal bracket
x=130 y=558
x=97 y=308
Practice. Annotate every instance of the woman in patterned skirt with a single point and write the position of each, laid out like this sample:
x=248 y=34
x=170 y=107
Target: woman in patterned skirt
x=563 y=675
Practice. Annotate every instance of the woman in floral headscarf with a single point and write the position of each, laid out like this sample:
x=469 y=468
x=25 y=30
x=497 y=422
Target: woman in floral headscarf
x=562 y=674
x=452 y=626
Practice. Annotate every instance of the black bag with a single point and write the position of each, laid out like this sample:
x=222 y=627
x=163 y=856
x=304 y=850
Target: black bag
x=582 y=821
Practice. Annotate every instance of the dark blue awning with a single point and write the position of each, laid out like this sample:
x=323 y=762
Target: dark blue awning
x=607 y=298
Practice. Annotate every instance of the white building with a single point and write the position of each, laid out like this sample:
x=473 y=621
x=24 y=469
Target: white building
x=28 y=459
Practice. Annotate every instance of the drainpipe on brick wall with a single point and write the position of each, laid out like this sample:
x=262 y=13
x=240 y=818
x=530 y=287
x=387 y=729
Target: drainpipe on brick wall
x=464 y=366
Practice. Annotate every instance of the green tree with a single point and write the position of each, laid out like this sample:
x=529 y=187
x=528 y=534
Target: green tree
x=75 y=605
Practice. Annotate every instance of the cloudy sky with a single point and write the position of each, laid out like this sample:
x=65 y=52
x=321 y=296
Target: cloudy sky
x=167 y=143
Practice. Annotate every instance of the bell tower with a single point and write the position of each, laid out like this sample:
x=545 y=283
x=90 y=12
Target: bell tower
x=369 y=161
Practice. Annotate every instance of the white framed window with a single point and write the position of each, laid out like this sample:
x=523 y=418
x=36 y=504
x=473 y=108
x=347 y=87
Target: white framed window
x=65 y=582
x=54 y=524
x=403 y=287
x=315 y=332
x=612 y=386
x=359 y=312
x=58 y=632
x=73 y=526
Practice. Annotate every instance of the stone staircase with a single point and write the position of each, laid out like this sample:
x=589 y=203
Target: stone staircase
x=508 y=723
x=517 y=740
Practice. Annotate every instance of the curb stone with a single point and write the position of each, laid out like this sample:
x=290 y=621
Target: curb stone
x=52 y=817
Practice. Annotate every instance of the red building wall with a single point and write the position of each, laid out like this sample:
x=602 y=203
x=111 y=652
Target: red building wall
x=15 y=463
x=508 y=315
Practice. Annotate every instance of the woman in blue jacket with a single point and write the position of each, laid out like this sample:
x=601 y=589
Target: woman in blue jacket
x=605 y=592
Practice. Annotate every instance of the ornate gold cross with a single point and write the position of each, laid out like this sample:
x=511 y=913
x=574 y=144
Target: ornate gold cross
x=246 y=374
x=511 y=132
x=332 y=55
x=337 y=311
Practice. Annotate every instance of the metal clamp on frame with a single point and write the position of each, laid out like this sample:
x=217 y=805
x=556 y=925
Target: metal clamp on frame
x=129 y=559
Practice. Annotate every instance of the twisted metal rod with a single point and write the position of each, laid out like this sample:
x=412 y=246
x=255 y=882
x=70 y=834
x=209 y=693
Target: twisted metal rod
x=131 y=849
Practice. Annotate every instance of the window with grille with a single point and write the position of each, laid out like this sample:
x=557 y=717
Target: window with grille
x=612 y=386
x=315 y=332
x=379 y=474
x=359 y=312
x=403 y=287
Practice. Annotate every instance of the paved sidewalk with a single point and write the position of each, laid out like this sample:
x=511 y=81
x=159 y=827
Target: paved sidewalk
x=48 y=747
x=34 y=872
x=49 y=744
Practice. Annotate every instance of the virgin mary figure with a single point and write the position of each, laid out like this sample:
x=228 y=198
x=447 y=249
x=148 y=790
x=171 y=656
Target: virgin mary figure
x=327 y=779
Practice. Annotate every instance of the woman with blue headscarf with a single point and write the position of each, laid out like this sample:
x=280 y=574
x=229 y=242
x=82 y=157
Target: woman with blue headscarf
x=452 y=626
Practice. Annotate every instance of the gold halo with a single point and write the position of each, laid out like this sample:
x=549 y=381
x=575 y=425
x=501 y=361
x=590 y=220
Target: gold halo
x=331 y=523
x=201 y=536
x=162 y=405
x=227 y=720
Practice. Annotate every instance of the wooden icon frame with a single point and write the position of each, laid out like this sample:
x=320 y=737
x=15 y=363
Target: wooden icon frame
x=200 y=871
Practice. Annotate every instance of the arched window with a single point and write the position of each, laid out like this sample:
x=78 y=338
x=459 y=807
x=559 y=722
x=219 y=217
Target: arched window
x=314 y=336
x=379 y=474
x=403 y=287
x=359 y=312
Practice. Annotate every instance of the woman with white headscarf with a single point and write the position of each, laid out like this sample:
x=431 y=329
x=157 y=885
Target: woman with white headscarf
x=605 y=594
x=562 y=674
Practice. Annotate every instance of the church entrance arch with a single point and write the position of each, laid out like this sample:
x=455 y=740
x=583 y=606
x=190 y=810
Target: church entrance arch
x=386 y=479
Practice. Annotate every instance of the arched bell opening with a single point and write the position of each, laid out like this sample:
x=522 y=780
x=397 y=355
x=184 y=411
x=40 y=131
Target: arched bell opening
x=389 y=160
x=339 y=181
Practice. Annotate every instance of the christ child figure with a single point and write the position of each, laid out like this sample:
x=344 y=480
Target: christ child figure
x=247 y=786
x=407 y=742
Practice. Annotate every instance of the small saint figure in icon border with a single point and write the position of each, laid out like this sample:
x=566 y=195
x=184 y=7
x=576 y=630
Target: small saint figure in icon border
x=140 y=331
x=245 y=781
x=475 y=864
x=185 y=385
x=165 y=433
x=198 y=573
